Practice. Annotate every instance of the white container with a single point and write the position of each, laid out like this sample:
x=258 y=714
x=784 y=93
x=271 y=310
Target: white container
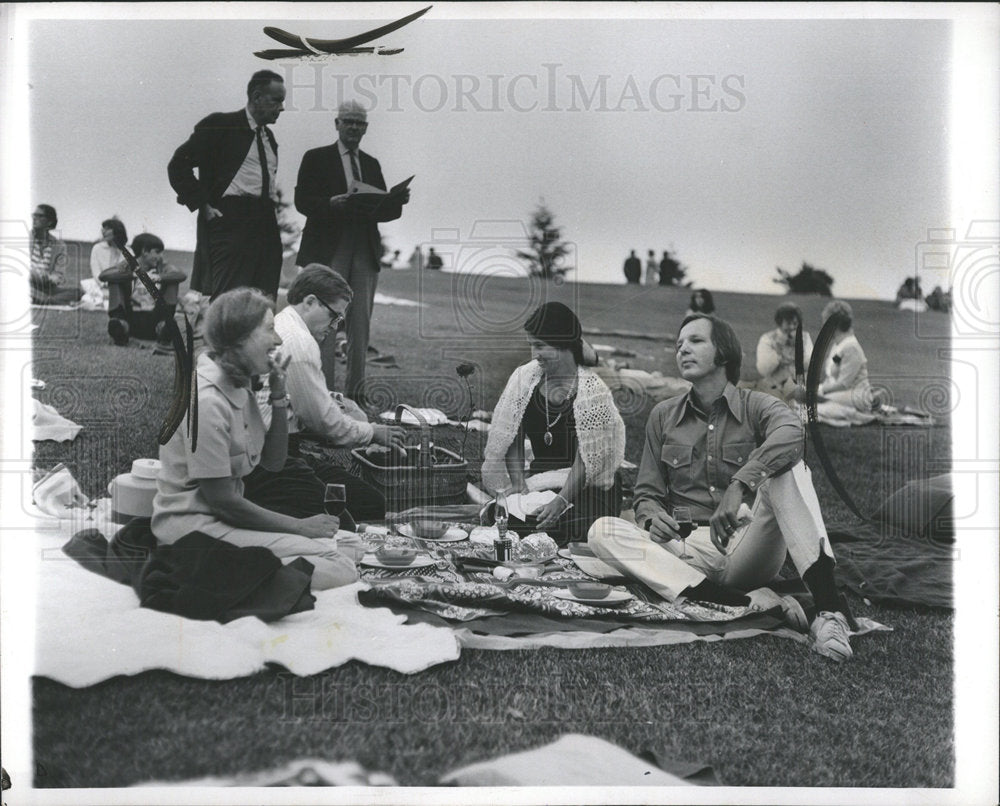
x=132 y=493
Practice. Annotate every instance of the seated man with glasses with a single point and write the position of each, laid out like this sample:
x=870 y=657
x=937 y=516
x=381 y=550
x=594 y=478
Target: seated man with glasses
x=317 y=302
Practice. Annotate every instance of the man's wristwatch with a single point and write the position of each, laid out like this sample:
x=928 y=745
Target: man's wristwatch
x=279 y=402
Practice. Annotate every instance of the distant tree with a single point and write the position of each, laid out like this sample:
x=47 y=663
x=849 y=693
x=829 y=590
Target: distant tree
x=546 y=249
x=808 y=280
x=289 y=229
x=672 y=271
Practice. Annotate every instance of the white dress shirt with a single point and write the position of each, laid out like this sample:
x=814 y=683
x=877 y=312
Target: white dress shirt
x=345 y=158
x=247 y=181
x=313 y=407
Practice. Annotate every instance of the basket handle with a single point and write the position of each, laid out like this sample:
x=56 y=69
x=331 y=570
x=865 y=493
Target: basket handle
x=425 y=460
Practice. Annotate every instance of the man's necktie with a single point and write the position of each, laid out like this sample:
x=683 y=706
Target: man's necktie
x=265 y=174
x=354 y=166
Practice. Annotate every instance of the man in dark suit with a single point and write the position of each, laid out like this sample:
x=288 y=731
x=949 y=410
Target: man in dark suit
x=632 y=268
x=340 y=235
x=239 y=243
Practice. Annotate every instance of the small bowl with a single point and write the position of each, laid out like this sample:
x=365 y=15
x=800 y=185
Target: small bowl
x=589 y=590
x=429 y=529
x=398 y=558
x=525 y=570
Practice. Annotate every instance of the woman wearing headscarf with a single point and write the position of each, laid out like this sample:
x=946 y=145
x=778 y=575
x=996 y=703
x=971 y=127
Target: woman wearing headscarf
x=570 y=418
x=202 y=490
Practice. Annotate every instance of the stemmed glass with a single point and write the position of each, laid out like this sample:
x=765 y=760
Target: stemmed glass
x=684 y=528
x=335 y=499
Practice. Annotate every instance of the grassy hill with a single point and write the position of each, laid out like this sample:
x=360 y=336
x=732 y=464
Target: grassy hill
x=763 y=712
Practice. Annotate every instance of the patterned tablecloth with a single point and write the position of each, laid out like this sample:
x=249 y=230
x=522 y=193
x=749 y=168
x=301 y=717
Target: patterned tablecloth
x=463 y=595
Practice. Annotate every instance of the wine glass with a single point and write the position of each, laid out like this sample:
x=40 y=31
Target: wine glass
x=335 y=499
x=684 y=528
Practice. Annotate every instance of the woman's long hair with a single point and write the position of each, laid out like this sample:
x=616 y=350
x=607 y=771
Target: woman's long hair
x=230 y=320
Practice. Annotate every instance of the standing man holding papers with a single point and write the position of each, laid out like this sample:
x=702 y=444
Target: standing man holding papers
x=344 y=235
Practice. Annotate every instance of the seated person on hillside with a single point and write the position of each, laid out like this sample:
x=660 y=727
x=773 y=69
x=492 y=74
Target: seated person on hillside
x=701 y=302
x=105 y=253
x=203 y=490
x=910 y=296
x=49 y=261
x=317 y=300
x=709 y=450
x=569 y=416
x=939 y=300
x=132 y=311
x=845 y=395
x=776 y=354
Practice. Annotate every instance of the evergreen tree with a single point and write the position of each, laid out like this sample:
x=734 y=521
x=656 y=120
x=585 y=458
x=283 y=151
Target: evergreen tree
x=546 y=249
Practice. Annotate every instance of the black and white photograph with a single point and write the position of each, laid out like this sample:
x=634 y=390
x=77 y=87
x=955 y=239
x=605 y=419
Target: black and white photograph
x=602 y=402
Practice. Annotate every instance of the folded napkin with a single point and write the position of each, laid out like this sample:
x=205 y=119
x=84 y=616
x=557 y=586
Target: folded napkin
x=50 y=424
x=57 y=492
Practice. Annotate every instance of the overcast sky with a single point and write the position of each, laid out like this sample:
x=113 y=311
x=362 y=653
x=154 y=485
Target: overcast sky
x=743 y=145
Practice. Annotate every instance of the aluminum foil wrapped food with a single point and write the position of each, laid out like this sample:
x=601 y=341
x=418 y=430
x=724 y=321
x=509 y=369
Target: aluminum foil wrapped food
x=535 y=548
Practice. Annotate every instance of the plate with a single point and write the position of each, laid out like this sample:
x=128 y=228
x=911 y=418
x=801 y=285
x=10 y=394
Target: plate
x=453 y=535
x=538 y=560
x=566 y=554
x=612 y=599
x=420 y=561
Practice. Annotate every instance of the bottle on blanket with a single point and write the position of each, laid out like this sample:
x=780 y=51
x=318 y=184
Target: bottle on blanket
x=503 y=545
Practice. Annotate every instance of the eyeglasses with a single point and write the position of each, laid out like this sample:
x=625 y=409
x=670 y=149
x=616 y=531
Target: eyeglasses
x=357 y=124
x=337 y=317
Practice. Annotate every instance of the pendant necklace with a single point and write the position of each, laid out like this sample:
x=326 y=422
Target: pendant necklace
x=547 y=437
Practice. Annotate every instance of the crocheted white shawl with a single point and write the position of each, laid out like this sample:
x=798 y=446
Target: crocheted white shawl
x=600 y=431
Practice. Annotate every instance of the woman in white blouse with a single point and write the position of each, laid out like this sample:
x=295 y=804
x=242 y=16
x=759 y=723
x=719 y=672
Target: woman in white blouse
x=202 y=490
x=106 y=254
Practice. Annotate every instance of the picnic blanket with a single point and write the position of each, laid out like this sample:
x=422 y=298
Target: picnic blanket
x=197 y=577
x=90 y=628
x=893 y=568
x=572 y=760
x=578 y=760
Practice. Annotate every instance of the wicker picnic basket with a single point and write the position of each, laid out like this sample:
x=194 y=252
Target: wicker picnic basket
x=431 y=475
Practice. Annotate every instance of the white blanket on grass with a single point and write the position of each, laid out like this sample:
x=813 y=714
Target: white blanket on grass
x=90 y=628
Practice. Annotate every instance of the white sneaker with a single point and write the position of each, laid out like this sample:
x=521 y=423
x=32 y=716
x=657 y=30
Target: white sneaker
x=791 y=610
x=829 y=636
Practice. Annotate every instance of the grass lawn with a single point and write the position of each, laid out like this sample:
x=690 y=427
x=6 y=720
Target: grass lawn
x=763 y=712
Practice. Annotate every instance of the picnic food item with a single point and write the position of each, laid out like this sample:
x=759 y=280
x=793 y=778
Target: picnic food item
x=524 y=569
x=396 y=557
x=589 y=590
x=429 y=529
x=536 y=547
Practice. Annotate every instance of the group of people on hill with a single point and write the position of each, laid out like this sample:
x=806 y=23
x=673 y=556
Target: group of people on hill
x=263 y=388
x=910 y=297
x=666 y=271
x=226 y=172
x=132 y=309
x=710 y=450
x=844 y=394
